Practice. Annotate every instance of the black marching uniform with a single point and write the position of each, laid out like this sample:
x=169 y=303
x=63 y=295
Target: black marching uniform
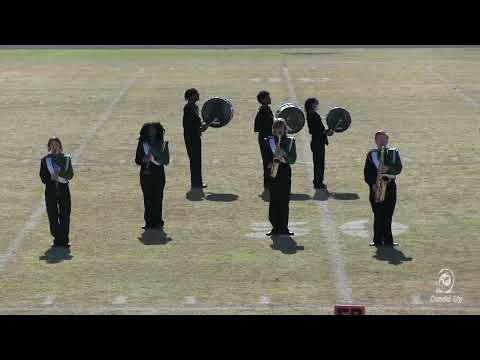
x=263 y=125
x=317 y=145
x=193 y=142
x=280 y=186
x=383 y=211
x=152 y=182
x=58 y=204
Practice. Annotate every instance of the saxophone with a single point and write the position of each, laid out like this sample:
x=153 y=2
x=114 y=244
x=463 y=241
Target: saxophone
x=276 y=160
x=382 y=180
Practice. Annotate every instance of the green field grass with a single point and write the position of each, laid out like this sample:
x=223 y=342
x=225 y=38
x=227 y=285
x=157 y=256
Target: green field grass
x=96 y=102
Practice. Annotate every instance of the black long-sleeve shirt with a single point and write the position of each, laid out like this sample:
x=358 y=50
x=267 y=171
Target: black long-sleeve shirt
x=263 y=122
x=316 y=128
x=191 y=121
x=45 y=175
x=370 y=170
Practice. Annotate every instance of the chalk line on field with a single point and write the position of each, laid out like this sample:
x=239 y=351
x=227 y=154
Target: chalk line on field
x=454 y=87
x=39 y=211
x=49 y=300
x=337 y=263
x=120 y=300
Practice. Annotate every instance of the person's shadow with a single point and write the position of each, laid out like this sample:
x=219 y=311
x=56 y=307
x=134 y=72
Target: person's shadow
x=221 y=197
x=391 y=254
x=56 y=254
x=321 y=195
x=285 y=244
x=300 y=197
x=324 y=195
x=154 y=237
x=344 y=196
x=195 y=194
x=265 y=195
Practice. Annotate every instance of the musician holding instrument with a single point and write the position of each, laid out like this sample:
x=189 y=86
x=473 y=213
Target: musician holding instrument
x=319 y=141
x=382 y=165
x=263 y=126
x=193 y=127
x=55 y=172
x=152 y=155
x=280 y=151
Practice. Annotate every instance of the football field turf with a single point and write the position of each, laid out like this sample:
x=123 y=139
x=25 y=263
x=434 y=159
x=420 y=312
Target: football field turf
x=218 y=259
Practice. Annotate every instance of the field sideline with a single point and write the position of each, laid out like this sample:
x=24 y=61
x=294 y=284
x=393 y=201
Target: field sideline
x=218 y=261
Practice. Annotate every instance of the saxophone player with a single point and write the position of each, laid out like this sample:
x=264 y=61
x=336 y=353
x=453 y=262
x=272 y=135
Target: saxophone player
x=383 y=205
x=280 y=152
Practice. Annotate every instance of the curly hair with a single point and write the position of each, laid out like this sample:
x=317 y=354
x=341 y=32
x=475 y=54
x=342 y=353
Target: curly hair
x=160 y=130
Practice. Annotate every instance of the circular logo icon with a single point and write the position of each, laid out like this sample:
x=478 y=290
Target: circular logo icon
x=446 y=280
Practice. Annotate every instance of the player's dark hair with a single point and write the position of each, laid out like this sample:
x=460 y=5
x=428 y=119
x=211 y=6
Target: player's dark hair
x=52 y=139
x=262 y=95
x=190 y=92
x=309 y=103
x=160 y=130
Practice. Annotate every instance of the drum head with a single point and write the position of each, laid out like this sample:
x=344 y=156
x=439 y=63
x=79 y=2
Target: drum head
x=293 y=115
x=338 y=119
x=217 y=112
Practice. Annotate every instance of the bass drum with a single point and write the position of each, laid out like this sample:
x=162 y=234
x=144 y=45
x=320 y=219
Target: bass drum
x=293 y=115
x=217 y=111
x=338 y=119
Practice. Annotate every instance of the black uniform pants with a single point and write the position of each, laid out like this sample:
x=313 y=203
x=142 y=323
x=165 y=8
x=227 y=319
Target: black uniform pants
x=383 y=213
x=280 y=188
x=318 y=152
x=152 y=188
x=265 y=160
x=58 y=204
x=194 y=151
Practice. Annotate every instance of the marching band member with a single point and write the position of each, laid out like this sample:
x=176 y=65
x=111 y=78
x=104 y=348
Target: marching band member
x=263 y=126
x=55 y=172
x=319 y=140
x=192 y=131
x=280 y=152
x=152 y=154
x=375 y=174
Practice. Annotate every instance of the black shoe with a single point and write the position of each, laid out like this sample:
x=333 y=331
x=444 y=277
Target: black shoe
x=287 y=232
x=375 y=244
x=60 y=245
x=204 y=186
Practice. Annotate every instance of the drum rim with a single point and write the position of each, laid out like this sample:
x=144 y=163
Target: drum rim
x=339 y=108
x=295 y=106
x=227 y=101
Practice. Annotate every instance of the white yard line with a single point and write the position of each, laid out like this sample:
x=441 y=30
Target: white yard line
x=337 y=262
x=39 y=211
x=49 y=300
x=453 y=87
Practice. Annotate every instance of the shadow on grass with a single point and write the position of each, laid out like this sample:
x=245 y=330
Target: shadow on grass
x=154 y=237
x=324 y=195
x=221 y=197
x=321 y=195
x=265 y=195
x=285 y=244
x=195 y=194
x=300 y=197
x=56 y=255
x=344 y=196
x=391 y=254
